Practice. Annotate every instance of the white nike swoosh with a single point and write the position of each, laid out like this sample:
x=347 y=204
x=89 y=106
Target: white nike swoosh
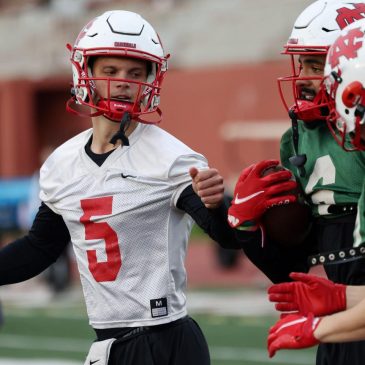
x=238 y=200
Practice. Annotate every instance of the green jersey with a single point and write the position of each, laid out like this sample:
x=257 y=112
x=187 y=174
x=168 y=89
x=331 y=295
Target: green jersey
x=332 y=175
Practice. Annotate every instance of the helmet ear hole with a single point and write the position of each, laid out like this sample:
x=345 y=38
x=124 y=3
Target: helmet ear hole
x=151 y=72
x=90 y=64
x=352 y=93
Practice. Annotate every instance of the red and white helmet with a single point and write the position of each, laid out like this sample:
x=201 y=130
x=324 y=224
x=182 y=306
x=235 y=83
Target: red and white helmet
x=345 y=85
x=314 y=31
x=118 y=33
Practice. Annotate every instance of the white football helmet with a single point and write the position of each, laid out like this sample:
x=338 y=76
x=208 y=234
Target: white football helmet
x=313 y=33
x=124 y=34
x=345 y=85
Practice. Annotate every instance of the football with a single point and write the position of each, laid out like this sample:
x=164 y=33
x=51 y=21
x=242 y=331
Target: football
x=288 y=225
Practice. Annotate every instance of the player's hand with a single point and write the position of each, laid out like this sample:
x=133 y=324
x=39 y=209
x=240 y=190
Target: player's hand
x=308 y=293
x=208 y=185
x=255 y=193
x=293 y=332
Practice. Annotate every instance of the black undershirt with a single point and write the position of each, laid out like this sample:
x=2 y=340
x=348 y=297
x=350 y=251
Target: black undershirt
x=98 y=158
x=28 y=256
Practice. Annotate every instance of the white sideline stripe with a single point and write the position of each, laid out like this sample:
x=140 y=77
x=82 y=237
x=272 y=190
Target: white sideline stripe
x=45 y=343
x=56 y=315
x=254 y=129
x=259 y=355
x=235 y=303
x=82 y=346
x=6 y=361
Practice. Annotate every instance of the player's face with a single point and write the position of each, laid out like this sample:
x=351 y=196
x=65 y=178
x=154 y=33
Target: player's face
x=122 y=69
x=311 y=68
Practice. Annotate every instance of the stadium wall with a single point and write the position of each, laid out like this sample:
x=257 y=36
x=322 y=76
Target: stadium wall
x=233 y=115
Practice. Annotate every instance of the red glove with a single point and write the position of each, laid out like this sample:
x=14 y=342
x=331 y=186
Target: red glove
x=255 y=193
x=293 y=332
x=308 y=293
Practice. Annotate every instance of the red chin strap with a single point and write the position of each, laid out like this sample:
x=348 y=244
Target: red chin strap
x=115 y=109
x=312 y=110
x=307 y=111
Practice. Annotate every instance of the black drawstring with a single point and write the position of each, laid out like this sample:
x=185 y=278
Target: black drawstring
x=124 y=124
x=297 y=160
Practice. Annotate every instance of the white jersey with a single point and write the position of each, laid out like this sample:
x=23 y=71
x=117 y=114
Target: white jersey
x=128 y=236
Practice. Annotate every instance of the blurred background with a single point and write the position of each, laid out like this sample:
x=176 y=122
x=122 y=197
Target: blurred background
x=220 y=97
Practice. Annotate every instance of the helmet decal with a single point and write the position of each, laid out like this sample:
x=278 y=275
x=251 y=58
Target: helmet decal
x=344 y=86
x=347 y=16
x=346 y=46
x=125 y=44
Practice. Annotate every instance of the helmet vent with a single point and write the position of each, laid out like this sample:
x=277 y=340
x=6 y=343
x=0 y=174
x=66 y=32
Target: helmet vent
x=328 y=30
x=125 y=33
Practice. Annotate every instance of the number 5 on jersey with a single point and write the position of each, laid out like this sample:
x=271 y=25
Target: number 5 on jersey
x=109 y=269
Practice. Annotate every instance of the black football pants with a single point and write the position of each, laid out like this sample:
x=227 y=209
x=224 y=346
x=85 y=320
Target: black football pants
x=178 y=343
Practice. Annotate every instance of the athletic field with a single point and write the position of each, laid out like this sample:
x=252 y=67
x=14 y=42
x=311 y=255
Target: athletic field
x=231 y=306
x=40 y=329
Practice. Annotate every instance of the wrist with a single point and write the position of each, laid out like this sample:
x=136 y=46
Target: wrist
x=341 y=293
x=354 y=294
x=318 y=329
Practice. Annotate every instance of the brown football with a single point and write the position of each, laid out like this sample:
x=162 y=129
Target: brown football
x=288 y=225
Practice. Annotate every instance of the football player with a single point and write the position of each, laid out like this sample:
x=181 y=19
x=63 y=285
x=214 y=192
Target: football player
x=314 y=299
x=125 y=193
x=329 y=177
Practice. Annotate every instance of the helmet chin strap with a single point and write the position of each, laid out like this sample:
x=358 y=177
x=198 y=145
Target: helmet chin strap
x=308 y=111
x=311 y=110
x=120 y=135
x=357 y=140
x=297 y=160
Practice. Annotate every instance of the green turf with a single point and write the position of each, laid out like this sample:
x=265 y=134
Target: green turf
x=63 y=333
x=197 y=233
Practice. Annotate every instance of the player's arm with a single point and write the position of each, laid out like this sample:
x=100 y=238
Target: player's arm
x=28 y=256
x=255 y=192
x=211 y=221
x=343 y=326
x=273 y=260
x=208 y=185
x=354 y=295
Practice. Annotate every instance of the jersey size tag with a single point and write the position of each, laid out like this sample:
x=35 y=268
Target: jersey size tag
x=158 y=307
